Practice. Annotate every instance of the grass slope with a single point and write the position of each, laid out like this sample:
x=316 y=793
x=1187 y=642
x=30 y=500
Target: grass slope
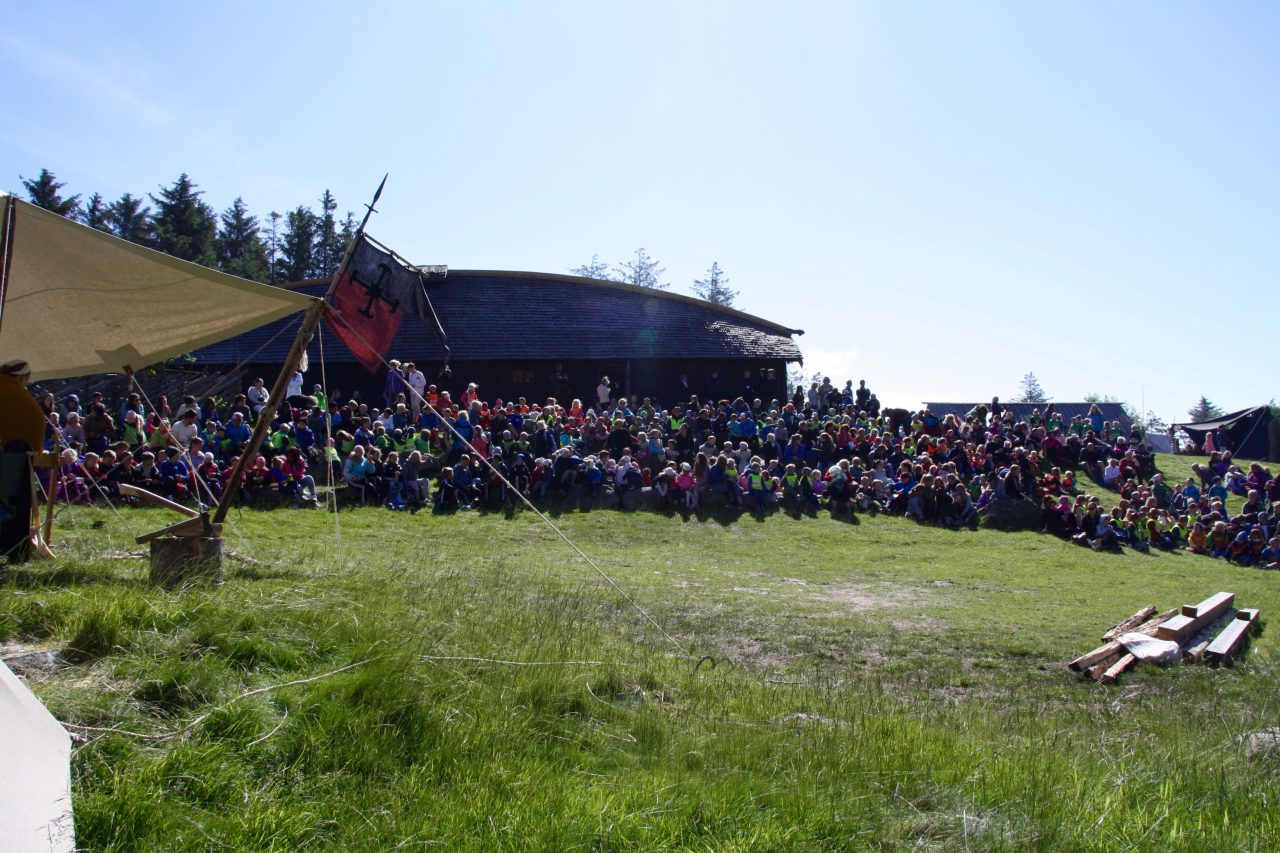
x=875 y=685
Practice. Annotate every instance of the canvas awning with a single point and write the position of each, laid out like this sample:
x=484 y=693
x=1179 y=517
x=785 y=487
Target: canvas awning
x=78 y=301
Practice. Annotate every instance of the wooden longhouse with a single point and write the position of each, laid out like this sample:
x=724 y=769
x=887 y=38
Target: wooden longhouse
x=511 y=332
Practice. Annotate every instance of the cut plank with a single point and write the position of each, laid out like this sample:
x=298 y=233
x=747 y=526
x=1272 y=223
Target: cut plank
x=1129 y=624
x=1231 y=640
x=1182 y=626
x=1193 y=648
x=1113 y=672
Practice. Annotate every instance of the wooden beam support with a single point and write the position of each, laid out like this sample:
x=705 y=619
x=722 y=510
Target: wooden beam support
x=158 y=500
x=190 y=527
x=1193 y=618
x=268 y=413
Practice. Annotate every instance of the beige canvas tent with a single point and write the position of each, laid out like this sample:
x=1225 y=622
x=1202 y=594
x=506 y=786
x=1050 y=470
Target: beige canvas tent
x=78 y=301
x=74 y=302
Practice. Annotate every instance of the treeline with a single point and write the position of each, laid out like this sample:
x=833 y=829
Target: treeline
x=302 y=244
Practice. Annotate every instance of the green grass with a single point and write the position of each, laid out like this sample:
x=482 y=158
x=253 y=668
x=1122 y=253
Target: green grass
x=875 y=685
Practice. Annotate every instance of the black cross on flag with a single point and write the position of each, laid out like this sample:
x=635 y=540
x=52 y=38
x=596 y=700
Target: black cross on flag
x=374 y=291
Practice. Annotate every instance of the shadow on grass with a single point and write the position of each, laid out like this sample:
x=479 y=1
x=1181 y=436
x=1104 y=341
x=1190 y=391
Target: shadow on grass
x=68 y=576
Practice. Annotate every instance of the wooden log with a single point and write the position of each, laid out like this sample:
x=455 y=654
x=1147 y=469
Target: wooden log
x=1232 y=638
x=1096 y=656
x=1129 y=624
x=1194 y=617
x=1095 y=672
x=126 y=489
x=180 y=560
x=1113 y=648
x=1193 y=648
x=1113 y=672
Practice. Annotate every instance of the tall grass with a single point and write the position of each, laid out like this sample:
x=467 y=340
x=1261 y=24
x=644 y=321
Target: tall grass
x=882 y=685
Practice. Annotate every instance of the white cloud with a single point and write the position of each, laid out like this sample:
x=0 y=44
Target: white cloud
x=839 y=364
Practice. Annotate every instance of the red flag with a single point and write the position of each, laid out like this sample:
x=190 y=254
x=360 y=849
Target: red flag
x=374 y=291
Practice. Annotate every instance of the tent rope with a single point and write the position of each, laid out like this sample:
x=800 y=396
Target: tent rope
x=328 y=438
x=590 y=562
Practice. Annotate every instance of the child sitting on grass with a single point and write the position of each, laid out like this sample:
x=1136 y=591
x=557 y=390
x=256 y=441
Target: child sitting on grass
x=1270 y=558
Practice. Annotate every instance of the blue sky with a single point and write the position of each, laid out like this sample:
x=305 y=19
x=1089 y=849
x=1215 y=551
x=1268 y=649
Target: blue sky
x=944 y=196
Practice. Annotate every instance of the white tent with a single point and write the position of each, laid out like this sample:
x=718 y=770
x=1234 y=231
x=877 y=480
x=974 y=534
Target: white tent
x=35 y=775
x=78 y=301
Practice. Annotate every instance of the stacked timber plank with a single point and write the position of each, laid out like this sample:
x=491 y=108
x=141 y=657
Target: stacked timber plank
x=1211 y=632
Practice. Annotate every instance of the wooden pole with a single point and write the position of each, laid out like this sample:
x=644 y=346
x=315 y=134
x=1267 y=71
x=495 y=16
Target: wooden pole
x=309 y=323
x=268 y=413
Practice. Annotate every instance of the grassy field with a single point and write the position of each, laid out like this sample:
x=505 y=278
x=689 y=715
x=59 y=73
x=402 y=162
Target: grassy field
x=871 y=685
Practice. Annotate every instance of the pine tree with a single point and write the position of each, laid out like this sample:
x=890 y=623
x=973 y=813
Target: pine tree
x=239 y=244
x=1204 y=411
x=298 y=245
x=596 y=269
x=185 y=226
x=46 y=191
x=271 y=233
x=715 y=287
x=130 y=219
x=329 y=245
x=1030 y=391
x=643 y=271
x=95 y=213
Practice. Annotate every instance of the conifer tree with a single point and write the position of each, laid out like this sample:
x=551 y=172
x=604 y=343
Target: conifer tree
x=185 y=226
x=46 y=191
x=1203 y=410
x=1030 y=391
x=240 y=248
x=596 y=269
x=329 y=247
x=271 y=233
x=95 y=212
x=298 y=245
x=130 y=218
x=643 y=271
x=346 y=235
x=715 y=287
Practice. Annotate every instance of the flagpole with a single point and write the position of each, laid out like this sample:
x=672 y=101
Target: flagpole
x=268 y=413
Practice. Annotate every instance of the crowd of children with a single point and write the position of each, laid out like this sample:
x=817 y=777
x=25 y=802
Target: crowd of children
x=825 y=446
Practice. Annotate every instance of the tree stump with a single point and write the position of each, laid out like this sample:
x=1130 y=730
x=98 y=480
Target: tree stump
x=181 y=560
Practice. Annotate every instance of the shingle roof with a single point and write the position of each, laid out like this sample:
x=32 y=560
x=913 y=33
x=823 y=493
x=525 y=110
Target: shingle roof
x=523 y=315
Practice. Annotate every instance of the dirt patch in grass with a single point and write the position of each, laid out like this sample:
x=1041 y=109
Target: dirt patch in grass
x=864 y=597
x=32 y=661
